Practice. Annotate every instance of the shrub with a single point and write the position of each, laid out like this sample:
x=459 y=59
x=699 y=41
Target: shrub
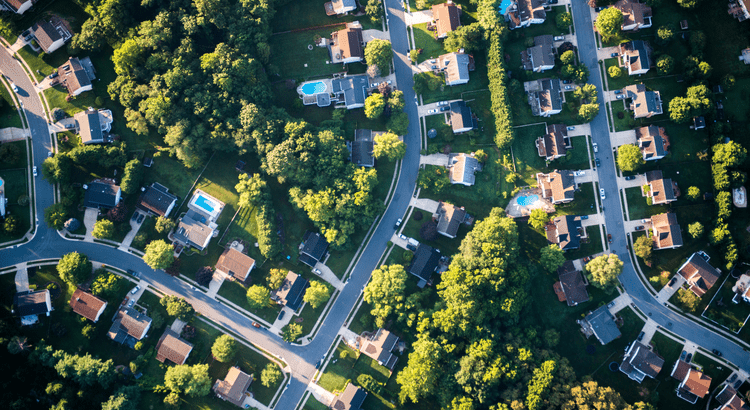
x=504 y=133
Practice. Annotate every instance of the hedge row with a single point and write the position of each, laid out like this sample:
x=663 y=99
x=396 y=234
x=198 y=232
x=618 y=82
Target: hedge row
x=268 y=239
x=499 y=92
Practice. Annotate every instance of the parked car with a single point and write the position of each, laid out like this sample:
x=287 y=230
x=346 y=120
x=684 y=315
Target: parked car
x=568 y=87
x=614 y=54
x=398 y=223
x=53 y=75
x=618 y=91
x=630 y=177
x=317 y=364
x=373 y=85
x=733 y=378
x=571 y=128
x=131 y=272
x=281 y=315
x=49 y=154
x=256 y=324
x=596 y=147
x=135 y=216
x=611 y=304
x=443 y=109
x=716 y=352
x=639 y=228
x=135 y=290
x=317 y=272
x=433 y=111
x=559 y=38
x=584 y=217
x=682 y=355
x=640 y=336
x=34 y=170
x=671 y=282
x=597 y=162
x=567 y=82
x=442 y=103
x=689 y=357
x=737 y=384
x=645 y=221
x=609 y=237
x=598 y=9
x=131 y=303
x=140 y=218
x=601 y=193
x=586 y=259
x=620 y=96
x=551 y=1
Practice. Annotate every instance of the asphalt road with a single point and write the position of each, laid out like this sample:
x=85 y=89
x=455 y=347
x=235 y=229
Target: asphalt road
x=613 y=213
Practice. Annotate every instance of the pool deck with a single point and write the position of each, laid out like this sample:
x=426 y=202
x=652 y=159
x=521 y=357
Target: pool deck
x=516 y=210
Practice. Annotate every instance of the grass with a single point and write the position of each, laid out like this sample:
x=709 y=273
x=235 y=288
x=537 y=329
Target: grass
x=302 y=14
x=312 y=404
x=445 y=244
x=16 y=185
x=236 y=293
x=339 y=369
x=425 y=40
x=9 y=116
x=667 y=348
x=725 y=312
x=478 y=80
x=309 y=316
x=639 y=208
x=716 y=371
x=593 y=246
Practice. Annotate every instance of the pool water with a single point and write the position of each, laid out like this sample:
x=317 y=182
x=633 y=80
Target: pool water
x=204 y=203
x=1 y=182
x=504 y=5
x=527 y=200
x=313 y=88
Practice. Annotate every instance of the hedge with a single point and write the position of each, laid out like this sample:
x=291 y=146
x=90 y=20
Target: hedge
x=500 y=103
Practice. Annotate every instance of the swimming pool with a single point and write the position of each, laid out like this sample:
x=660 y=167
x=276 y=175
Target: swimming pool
x=313 y=88
x=504 y=5
x=1 y=182
x=527 y=200
x=205 y=203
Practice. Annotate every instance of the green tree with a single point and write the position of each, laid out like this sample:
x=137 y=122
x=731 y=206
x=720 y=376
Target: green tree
x=131 y=177
x=643 y=247
x=730 y=154
x=609 y=23
x=728 y=82
x=270 y=375
x=378 y=52
x=164 y=224
x=317 y=294
x=688 y=299
x=389 y=146
x=396 y=101
x=18 y=344
x=177 y=307
x=695 y=229
x=385 y=292
x=426 y=81
x=374 y=105
x=10 y=225
x=258 y=297
x=74 y=268
x=56 y=169
x=688 y=4
x=124 y=398
x=103 y=229
x=603 y=271
x=569 y=56
x=224 y=348
x=252 y=189
x=398 y=124
x=374 y=10
x=87 y=331
x=665 y=33
x=614 y=72
x=106 y=284
x=193 y=380
x=589 y=395
x=693 y=193
x=421 y=376
x=629 y=157
x=586 y=93
x=552 y=257
x=159 y=254
x=587 y=112
x=172 y=400
x=468 y=37
x=680 y=110
x=664 y=64
x=538 y=218
x=276 y=278
x=291 y=332
x=564 y=21
x=55 y=215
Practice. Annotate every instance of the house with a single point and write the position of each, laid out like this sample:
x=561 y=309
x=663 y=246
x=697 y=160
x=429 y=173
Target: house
x=350 y=91
x=235 y=264
x=173 y=348
x=87 y=305
x=541 y=57
x=2 y=198
x=198 y=225
x=340 y=7
x=699 y=274
x=347 y=45
x=461 y=169
x=636 y=56
x=558 y=186
x=234 y=386
x=379 y=347
x=129 y=326
x=600 y=323
x=741 y=289
x=661 y=190
x=28 y=305
x=455 y=67
x=313 y=249
x=555 y=143
x=544 y=97
x=729 y=399
x=739 y=9
x=636 y=15
x=447 y=17
x=17 y=6
x=424 y=263
x=571 y=287
x=350 y=399
x=644 y=103
x=640 y=362
x=48 y=36
x=93 y=125
x=360 y=150
x=565 y=231
x=156 y=200
x=449 y=217
x=653 y=142
x=699 y=123
x=693 y=383
x=291 y=291
x=76 y=75
x=101 y=193
x=745 y=56
x=666 y=231
x=461 y=119
x=523 y=13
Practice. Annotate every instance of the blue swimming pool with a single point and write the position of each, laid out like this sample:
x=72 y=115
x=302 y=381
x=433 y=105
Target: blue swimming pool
x=527 y=200
x=1 y=183
x=504 y=5
x=314 y=88
x=205 y=203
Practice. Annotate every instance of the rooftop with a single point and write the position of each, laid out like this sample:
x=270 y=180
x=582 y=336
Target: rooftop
x=291 y=291
x=173 y=348
x=87 y=305
x=235 y=263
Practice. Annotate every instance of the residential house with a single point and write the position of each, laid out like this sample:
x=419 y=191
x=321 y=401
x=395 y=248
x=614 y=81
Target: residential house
x=555 y=143
x=565 y=231
x=360 y=150
x=699 y=123
x=544 y=97
x=745 y=56
x=571 y=287
x=340 y=7
x=653 y=142
x=693 y=383
x=379 y=347
x=17 y=6
x=641 y=362
x=729 y=399
x=447 y=17
x=173 y=348
x=461 y=169
x=350 y=90
x=636 y=15
x=666 y=231
x=455 y=67
x=523 y=13
x=93 y=125
x=348 y=45
x=661 y=190
x=644 y=103
x=636 y=56
x=541 y=57
x=3 y=200
x=234 y=386
x=156 y=200
x=235 y=264
x=558 y=186
x=461 y=118
x=424 y=263
x=699 y=274
x=600 y=323
x=50 y=37
x=101 y=193
x=87 y=305
x=350 y=399
x=28 y=305
x=76 y=75
x=129 y=326
x=741 y=289
x=739 y=9
x=449 y=217
x=313 y=249
x=198 y=225
x=291 y=291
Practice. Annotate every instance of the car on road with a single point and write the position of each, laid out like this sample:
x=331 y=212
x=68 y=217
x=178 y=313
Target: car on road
x=256 y=324
x=135 y=290
x=135 y=216
x=131 y=303
x=571 y=128
x=640 y=336
x=716 y=352
x=598 y=9
x=317 y=272
x=602 y=194
x=559 y=38
x=140 y=218
x=630 y=177
x=689 y=357
x=34 y=170
x=620 y=96
x=596 y=147
x=398 y=223
x=597 y=162
x=568 y=87
x=442 y=103
x=614 y=54
x=281 y=315
x=433 y=111
x=639 y=228
x=609 y=237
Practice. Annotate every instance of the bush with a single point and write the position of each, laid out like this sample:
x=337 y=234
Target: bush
x=504 y=133
x=614 y=72
x=370 y=384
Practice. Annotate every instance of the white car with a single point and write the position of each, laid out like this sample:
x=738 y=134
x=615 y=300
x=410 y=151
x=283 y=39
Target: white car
x=559 y=38
x=645 y=221
x=317 y=272
x=135 y=290
x=434 y=111
x=15 y=88
x=596 y=146
x=34 y=170
x=442 y=103
x=601 y=193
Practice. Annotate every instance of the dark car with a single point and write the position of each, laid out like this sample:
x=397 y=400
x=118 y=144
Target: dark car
x=597 y=162
x=733 y=378
x=614 y=54
x=584 y=217
x=53 y=75
x=140 y=218
x=640 y=336
x=567 y=82
x=598 y=9
x=281 y=315
x=135 y=216
x=689 y=357
x=716 y=352
x=443 y=109
x=630 y=177
x=737 y=384
x=317 y=364
x=682 y=356
x=640 y=228
x=671 y=282
x=609 y=237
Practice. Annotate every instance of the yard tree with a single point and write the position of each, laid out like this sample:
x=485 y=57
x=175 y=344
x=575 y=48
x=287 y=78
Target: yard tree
x=609 y=23
x=697 y=43
x=730 y=154
x=159 y=254
x=680 y=110
x=204 y=275
x=124 y=398
x=389 y=146
x=275 y=278
x=57 y=169
x=589 y=395
x=538 y=218
x=688 y=299
x=587 y=112
x=720 y=233
x=270 y=375
x=378 y=52
x=224 y=348
x=396 y=101
x=694 y=68
x=258 y=297
x=251 y=189
x=693 y=193
x=55 y=216
x=468 y=37
x=552 y=257
x=586 y=93
x=164 y=224
x=695 y=229
x=728 y=82
x=413 y=55
x=386 y=292
x=723 y=203
x=603 y=271
x=291 y=332
x=568 y=57
x=119 y=213
x=426 y=81
x=629 y=157
x=643 y=246
x=664 y=64
x=74 y=268
x=103 y=229
x=720 y=176
x=398 y=124
x=374 y=10
x=665 y=33
x=18 y=344
x=131 y=177
x=172 y=400
x=85 y=370
x=10 y=225
x=177 y=307
x=701 y=98
x=9 y=153
x=87 y=331
x=193 y=380
x=614 y=72
x=563 y=21
x=106 y=284
x=423 y=372
x=317 y=294
x=374 y=105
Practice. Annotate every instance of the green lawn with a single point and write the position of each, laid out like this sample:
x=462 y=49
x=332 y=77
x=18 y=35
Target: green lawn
x=639 y=208
x=667 y=348
x=312 y=404
x=426 y=41
x=592 y=246
x=16 y=185
x=445 y=244
x=301 y=14
x=477 y=81
x=236 y=293
x=309 y=316
x=584 y=202
x=727 y=313
x=9 y=116
x=339 y=369
x=716 y=371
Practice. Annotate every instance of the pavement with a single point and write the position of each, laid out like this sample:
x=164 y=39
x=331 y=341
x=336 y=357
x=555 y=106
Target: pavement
x=89 y=220
x=134 y=228
x=327 y=275
x=13 y=134
x=22 y=279
x=425 y=204
x=434 y=159
x=667 y=291
x=419 y=17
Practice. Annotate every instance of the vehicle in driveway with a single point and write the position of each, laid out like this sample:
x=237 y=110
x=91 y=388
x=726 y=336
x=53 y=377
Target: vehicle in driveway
x=131 y=303
x=733 y=378
x=568 y=87
x=598 y=9
x=618 y=91
x=630 y=177
x=442 y=103
x=584 y=217
x=53 y=75
x=620 y=96
x=640 y=336
x=597 y=162
x=614 y=54
x=443 y=109
x=135 y=290
x=671 y=282
x=135 y=216
x=682 y=355
x=433 y=111
x=602 y=194
x=559 y=38
x=645 y=221
x=639 y=228
x=140 y=218
x=567 y=82
x=571 y=128
x=281 y=315
x=317 y=272
x=596 y=147
x=689 y=357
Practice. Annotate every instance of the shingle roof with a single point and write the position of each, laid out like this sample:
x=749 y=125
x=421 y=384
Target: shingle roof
x=680 y=370
x=644 y=102
x=235 y=263
x=450 y=217
x=15 y=4
x=173 y=348
x=541 y=54
x=603 y=324
x=572 y=284
x=379 y=347
x=455 y=66
x=314 y=248
x=667 y=230
x=729 y=400
x=156 y=199
x=89 y=126
x=192 y=232
x=87 y=305
x=662 y=189
x=552 y=144
x=129 y=321
x=463 y=168
x=73 y=75
x=636 y=54
x=101 y=193
x=350 y=399
x=350 y=42
x=425 y=262
x=32 y=303
x=340 y=5
x=699 y=274
x=644 y=360
x=234 y=386
x=362 y=147
x=447 y=16
x=697 y=383
x=46 y=34
x=291 y=291
x=633 y=12
x=653 y=141
x=566 y=232
x=461 y=118
x=558 y=185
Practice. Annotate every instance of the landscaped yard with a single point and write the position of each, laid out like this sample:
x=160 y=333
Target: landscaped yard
x=727 y=313
x=16 y=185
x=8 y=114
x=477 y=81
x=639 y=208
x=301 y=14
x=237 y=294
x=591 y=247
x=446 y=245
x=296 y=61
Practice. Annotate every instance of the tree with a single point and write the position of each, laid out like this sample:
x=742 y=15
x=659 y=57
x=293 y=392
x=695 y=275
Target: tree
x=587 y=112
x=317 y=294
x=131 y=177
x=103 y=229
x=374 y=106
x=270 y=375
x=614 y=72
x=374 y=10
x=396 y=101
x=389 y=146
x=590 y=395
x=420 y=377
x=55 y=216
x=629 y=157
x=695 y=229
x=276 y=278
x=688 y=4
x=159 y=254
x=688 y=299
x=124 y=398
x=224 y=348
x=18 y=344
x=609 y=23
x=193 y=380
x=204 y=275
x=291 y=332
x=10 y=225
x=258 y=297
x=569 y=56
x=87 y=331
x=118 y=213
x=603 y=271
x=252 y=189
x=378 y=52
x=57 y=169
x=172 y=400
x=538 y=218
x=74 y=268
x=552 y=257
x=665 y=34
x=730 y=154
x=693 y=193
x=664 y=64
x=586 y=93
x=177 y=307
x=386 y=292
x=106 y=284
x=468 y=37
x=728 y=82
x=564 y=21
x=164 y=224
x=643 y=247
x=426 y=81
x=398 y=124
x=9 y=153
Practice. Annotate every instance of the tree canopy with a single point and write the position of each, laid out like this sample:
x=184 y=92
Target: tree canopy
x=159 y=254
x=385 y=292
x=103 y=229
x=177 y=307
x=224 y=348
x=538 y=218
x=603 y=271
x=389 y=146
x=378 y=52
x=258 y=296
x=609 y=22
x=629 y=157
x=551 y=257
x=193 y=380
x=74 y=268
x=317 y=294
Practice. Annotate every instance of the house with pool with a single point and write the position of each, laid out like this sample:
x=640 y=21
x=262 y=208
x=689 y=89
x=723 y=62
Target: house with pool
x=348 y=91
x=198 y=225
x=558 y=186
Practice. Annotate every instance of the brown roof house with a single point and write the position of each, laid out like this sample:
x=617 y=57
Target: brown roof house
x=640 y=362
x=335 y=7
x=291 y=291
x=461 y=169
x=635 y=15
x=661 y=190
x=741 y=289
x=129 y=326
x=455 y=67
x=447 y=17
x=541 y=57
x=693 y=383
x=234 y=386
x=156 y=200
x=699 y=274
x=571 y=287
x=555 y=143
x=449 y=217
x=644 y=103
x=666 y=231
x=461 y=119
x=173 y=348
x=350 y=399
x=636 y=56
x=50 y=36
x=28 y=305
x=565 y=231
x=523 y=13
x=730 y=400
x=557 y=186
x=379 y=347
x=17 y=6
x=87 y=305
x=544 y=97
x=347 y=45
x=76 y=75
x=235 y=264
x=653 y=142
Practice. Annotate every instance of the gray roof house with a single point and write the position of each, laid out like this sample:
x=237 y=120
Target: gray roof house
x=644 y=103
x=351 y=91
x=557 y=186
x=350 y=399
x=47 y=36
x=544 y=97
x=93 y=125
x=28 y=305
x=636 y=56
x=461 y=169
x=360 y=150
x=572 y=284
x=461 y=119
x=449 y=218
x=101 y=193
x=17 y=6
x=347 y=45
x=156 y=200
x=291 y=292
x=456 y=67
x=379 y=347
x=565 y=231
x=541 y=57
x=523 y=13
x=601 y=324
x=192 y=231
x=335 y=7
x=555 y=143
x=640 y=362
x=129 y=326
x=313 y=249
x=653 y=142
x=424 y=263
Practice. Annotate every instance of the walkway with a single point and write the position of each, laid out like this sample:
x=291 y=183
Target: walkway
x=89 y=220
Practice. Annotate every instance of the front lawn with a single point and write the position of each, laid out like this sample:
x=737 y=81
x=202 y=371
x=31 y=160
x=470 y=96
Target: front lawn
x=477 y=81
x=584 y=202
x=300 y=14
x=339 y=369
x=296 y=61
x=237 y=294
x=9 y=116
x=446 y=245
x=16 y=185
x=427 y=42
x=724 y=311
x=591 y=247
x=639 y=208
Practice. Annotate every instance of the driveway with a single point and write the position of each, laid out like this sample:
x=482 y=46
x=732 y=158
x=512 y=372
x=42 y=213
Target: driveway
x=418 y=17
x=89 y=220
x=13 y=134
x=435 y=159
x=22 y=279
x=369 y=35
x=327 y=275
x=425 y=204
x=134 y=228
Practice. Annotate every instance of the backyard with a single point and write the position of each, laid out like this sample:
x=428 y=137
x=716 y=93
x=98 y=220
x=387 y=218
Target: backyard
x=16 y=186
x=726 y=312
